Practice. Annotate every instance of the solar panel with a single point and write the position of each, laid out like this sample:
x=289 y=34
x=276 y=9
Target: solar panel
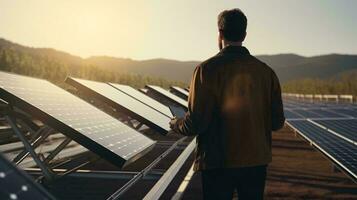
x=180 y=92
x=291 y=115
x=15 y=184
x=326 y=113
x=143 y=98
x=344 y=111
x=341 y=152
x=345 y=127
x=123 y=102
x=306 y=113
x=166 y=94
x=79 y=120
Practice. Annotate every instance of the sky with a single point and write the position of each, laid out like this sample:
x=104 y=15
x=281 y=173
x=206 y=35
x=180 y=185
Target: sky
x=178 y=29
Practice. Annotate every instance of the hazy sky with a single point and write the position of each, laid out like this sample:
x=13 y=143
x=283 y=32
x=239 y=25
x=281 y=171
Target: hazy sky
x=178 y=29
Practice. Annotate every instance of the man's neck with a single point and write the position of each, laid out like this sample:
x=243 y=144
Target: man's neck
x=229 y=43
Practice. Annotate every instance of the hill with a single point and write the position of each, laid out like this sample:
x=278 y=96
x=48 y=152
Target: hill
x=55 y=65
x=288 y=66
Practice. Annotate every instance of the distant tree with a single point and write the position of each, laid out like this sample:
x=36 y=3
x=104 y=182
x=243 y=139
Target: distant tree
x=56 y=66
x=345 y=83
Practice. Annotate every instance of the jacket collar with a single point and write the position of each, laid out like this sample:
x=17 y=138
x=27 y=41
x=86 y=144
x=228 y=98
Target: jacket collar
x=237 y=50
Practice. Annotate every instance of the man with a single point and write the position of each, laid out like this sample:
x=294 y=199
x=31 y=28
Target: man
x=234 y=104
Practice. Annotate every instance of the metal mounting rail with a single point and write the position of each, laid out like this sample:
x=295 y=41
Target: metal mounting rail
x=144 y=172
x=169 y=175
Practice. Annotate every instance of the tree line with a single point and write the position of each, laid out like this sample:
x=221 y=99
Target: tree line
x=51 y=65
x=345 y=83
x=55 y=66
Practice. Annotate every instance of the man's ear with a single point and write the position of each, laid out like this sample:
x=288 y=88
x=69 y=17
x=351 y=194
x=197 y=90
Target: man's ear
x=220 y=38
x=220 y=35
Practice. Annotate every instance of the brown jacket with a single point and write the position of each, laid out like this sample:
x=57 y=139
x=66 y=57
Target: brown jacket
x=234 y=104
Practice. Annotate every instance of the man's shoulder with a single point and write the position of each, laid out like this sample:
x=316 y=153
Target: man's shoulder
x=219 y=59
x=256 y=61
x=212 y=61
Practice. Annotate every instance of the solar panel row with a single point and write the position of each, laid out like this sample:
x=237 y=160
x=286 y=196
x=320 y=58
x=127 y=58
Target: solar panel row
x=166 y=94
x=289 y=114
x=84 y=123
x=345 y=127
x=182 y=93
x=343 y=153
x=123 y=102
x=79 y=120
x=307 y=113
x=143 y=98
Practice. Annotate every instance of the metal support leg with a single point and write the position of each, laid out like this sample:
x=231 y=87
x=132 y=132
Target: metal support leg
x=39 y=137
x=58 y=149
x=46 y=171
x=139 y=126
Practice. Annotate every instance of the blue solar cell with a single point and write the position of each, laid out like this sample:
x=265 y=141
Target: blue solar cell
x=345 y=111
x=307 y=113
x=344 y=127
x=343 y=153
x=324 y=113
x=291 y=115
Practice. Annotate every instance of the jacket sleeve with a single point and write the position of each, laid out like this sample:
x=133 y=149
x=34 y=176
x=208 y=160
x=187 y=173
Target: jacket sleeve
x=201 y=104
x=277 y=117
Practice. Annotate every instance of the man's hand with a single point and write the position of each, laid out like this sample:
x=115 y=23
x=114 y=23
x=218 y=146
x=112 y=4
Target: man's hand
x=173 y=123
x=172 y=126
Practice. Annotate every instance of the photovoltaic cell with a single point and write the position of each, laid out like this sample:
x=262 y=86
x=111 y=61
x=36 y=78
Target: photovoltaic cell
x=346 y=111
x=345 y=127
x=291 y=115
x=343 y=153
x=124 y=102
x=327 y=114
x=79 y=120
x=307 y=113
x=143 y=98
x=168 y=95
x=15 y=184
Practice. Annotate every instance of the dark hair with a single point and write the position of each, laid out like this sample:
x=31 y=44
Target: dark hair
x=232 y=24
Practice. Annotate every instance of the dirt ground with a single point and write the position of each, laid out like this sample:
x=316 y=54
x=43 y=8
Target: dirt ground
x=298 y=171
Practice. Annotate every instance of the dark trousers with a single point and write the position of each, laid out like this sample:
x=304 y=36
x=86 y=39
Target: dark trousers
x=249 y=182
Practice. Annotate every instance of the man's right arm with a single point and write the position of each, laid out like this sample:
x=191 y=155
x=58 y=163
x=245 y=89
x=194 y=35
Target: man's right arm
x=277 y=117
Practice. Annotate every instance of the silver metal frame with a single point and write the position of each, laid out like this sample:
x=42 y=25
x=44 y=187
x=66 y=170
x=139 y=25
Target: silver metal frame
x=144 y=172
x=165 y=180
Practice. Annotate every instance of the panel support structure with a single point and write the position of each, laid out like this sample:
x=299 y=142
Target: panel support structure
x=37 y=137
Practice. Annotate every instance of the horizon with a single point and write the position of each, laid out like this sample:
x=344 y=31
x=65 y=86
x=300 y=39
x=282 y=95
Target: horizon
x=111 y=29
x=160 y=58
